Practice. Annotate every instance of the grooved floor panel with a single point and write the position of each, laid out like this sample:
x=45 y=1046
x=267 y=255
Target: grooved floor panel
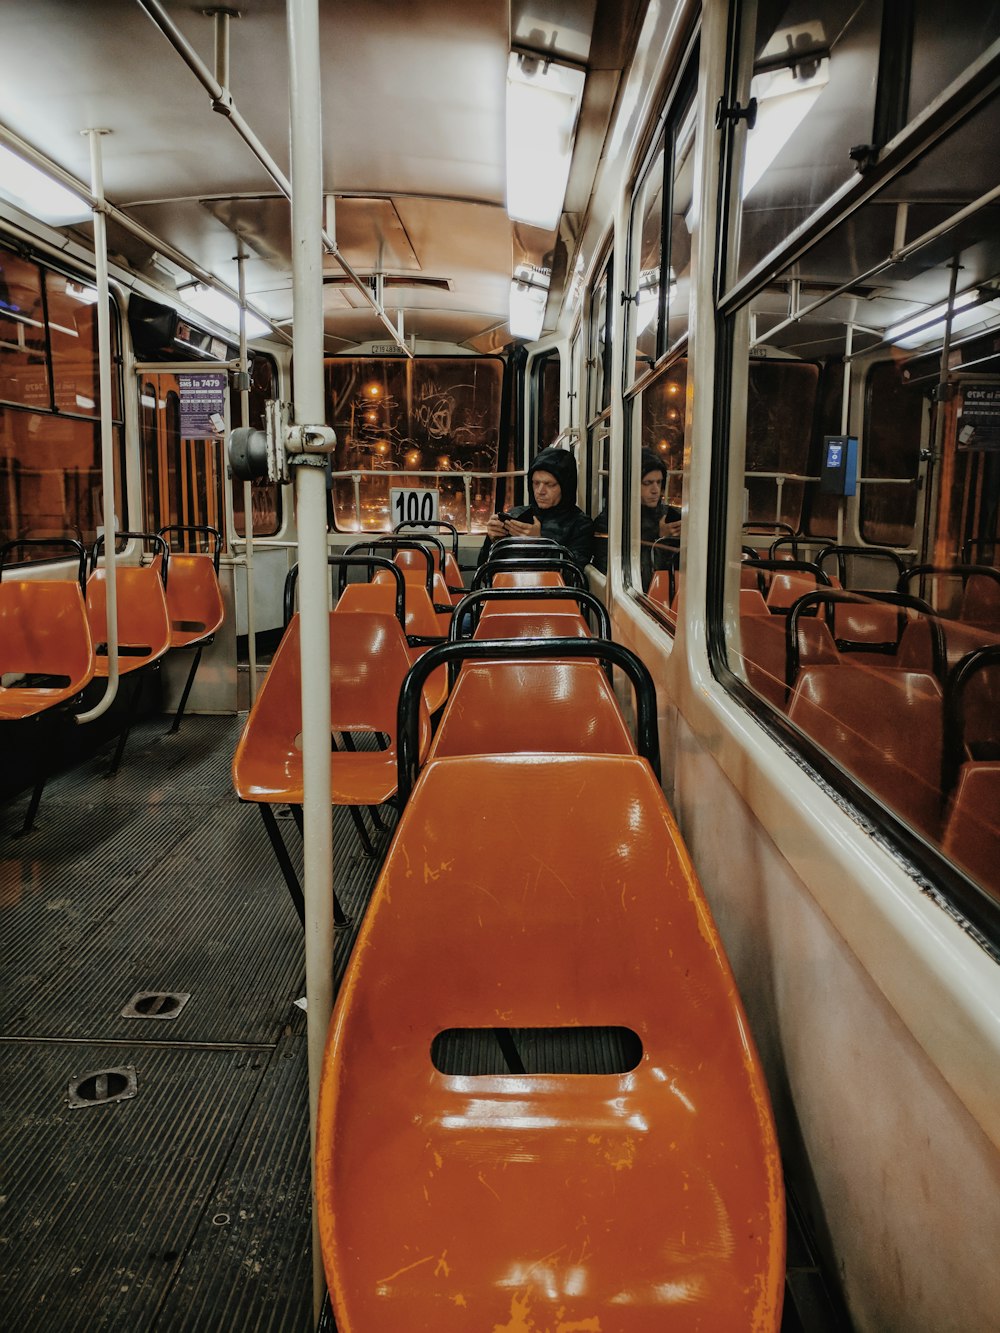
x=212 y=918
x=100 y=1203
x=189 y=1206
x=233 y=1276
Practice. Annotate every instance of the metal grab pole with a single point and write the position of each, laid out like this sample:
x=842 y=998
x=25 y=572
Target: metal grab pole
x=310 y=510
x=222 y=101
x=107 y=443
x=241 y=259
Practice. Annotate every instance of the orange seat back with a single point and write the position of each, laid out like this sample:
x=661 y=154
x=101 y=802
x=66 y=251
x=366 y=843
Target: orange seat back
x=194 y=599
x=785 y=589
x=563 y=923
x=659 y=588
x=43 y=632
x=884 y=727
x=858 y=625
x=379 y=597
x=143 y=620
x=536 y=624
x=972 y=831
x=981 y=602
x=528 y=578
x=752 y=602
x=552 y=707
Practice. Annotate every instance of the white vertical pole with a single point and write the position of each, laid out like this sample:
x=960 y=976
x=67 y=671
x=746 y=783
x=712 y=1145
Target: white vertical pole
x=107 y=437
x=241 y=259
x=310 y=510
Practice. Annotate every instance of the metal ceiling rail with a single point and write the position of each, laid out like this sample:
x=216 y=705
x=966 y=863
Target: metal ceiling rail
x=222 y=101
x=57 y=173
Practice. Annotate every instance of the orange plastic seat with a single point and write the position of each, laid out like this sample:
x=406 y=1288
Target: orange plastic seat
x=194 y=600
x=417 y=578
x=528 y=578
x=194 y=603
x=645 y=1200
x=143 y=619
x=884 y=727
x=448 y=566
x=663 y=588
x=368 y=660
x=535 y=624
x=869 y=631
x=980 y=604
x=752 y=602
x=520 y=707
x=379 y=597
x=765 y=650
x=972 y=830
x=46 y=651
x=784 y=589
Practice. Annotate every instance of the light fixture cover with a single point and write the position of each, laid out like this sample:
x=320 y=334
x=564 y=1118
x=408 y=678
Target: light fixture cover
x=529 y=292
x=970 y=308
x=543 y=103
x=38 y=194
x=223 y=310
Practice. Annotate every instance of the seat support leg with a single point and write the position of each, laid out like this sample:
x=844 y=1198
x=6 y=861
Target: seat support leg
x=284 y=860
x=36 y=796
x=340 y=917
x=175 y=726
x=359 y=824
x=133 y=704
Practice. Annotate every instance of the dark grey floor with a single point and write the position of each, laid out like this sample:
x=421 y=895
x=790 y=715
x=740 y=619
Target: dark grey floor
x=186 y=1206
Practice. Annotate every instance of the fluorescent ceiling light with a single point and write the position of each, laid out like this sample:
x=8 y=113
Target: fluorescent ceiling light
x=223 y=310
x=929 y=326
x=784 y=99
x=529 y=291
x=543 y=103
x=37 y=193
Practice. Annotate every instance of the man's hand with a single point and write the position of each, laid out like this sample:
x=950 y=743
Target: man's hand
x=515 y=528
x=670 y=528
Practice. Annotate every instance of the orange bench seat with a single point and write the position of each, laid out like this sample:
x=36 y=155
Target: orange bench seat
x=645 y=1201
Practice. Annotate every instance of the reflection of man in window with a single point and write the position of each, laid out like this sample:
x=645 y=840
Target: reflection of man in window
x=657 y=518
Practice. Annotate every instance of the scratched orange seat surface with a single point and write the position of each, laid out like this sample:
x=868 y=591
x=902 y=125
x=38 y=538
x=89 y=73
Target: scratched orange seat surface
x=194 y=599
x=647 y=1201
x=368 y=661
x=521 y=707
x=43 y=634
x=143 y=619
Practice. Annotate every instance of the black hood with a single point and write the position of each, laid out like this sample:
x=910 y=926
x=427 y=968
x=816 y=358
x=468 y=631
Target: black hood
x=562 y=465
x=651 y=462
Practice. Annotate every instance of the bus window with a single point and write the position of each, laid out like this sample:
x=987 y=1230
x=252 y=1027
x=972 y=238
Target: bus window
x=781 y=404
x=897 y=419
x=265 y=495
x=427 y=422
x=546 y=383
x=183 y=478
x=50 y=448
x=894 y=289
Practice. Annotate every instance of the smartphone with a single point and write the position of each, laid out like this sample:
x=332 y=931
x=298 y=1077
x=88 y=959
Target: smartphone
x=503 y=515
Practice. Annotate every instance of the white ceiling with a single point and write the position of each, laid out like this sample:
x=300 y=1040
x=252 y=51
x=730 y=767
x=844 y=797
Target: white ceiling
x=413 y=103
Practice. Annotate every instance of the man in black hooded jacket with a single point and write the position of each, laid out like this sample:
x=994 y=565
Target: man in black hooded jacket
x=657 y=519
x=553 y=511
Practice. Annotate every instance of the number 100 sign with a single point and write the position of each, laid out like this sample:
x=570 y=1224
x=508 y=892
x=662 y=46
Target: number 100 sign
x=409 y=505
